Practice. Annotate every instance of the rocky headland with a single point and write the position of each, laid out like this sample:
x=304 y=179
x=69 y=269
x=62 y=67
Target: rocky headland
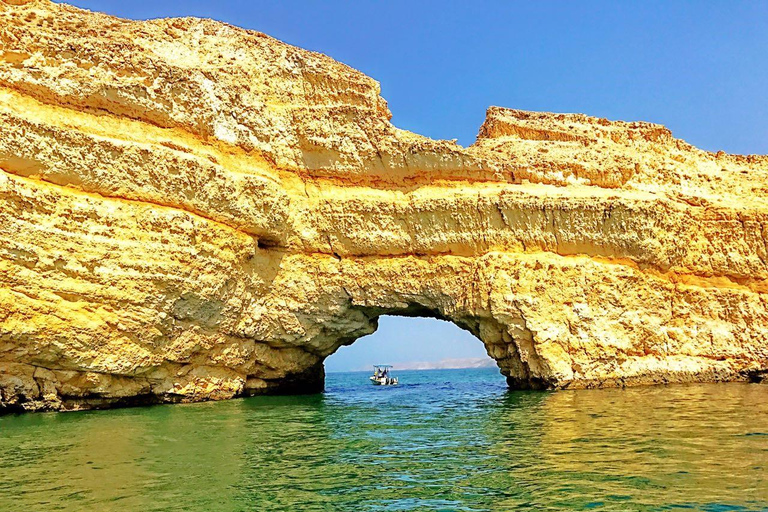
x=193 y=211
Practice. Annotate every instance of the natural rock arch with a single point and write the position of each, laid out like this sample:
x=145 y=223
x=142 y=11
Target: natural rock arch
x=534 y=316
x=192 y=211
x=418 y=311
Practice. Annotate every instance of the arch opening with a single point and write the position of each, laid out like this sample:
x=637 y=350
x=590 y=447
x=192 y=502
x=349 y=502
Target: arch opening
x=416 y=339
x=506 y=340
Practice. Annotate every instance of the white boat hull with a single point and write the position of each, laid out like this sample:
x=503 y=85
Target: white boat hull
x=384 y=381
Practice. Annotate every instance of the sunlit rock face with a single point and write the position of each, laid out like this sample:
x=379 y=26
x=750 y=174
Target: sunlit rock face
x=192 y=211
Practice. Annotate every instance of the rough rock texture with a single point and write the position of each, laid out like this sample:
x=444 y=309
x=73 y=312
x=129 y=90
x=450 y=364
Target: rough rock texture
x=193 y=211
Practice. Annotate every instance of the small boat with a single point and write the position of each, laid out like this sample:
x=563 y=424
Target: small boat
x=382 y=375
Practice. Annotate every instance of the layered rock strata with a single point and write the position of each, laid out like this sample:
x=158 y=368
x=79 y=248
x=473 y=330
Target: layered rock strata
x=193 y=211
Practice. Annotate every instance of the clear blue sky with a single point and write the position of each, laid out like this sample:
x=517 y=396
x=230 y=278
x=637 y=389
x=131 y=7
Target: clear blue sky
x=698 y=67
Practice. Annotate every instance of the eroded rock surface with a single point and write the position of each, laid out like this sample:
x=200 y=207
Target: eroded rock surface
x=192 y=211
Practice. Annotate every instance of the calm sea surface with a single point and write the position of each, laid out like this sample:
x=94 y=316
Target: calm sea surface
x=442 y=440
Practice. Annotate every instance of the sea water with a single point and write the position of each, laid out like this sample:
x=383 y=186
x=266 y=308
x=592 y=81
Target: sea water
x=441 y=440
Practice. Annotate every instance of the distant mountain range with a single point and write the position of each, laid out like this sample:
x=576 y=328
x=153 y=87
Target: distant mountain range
x=445 y=364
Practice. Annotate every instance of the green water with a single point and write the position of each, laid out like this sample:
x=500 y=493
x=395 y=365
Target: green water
x=442 y=440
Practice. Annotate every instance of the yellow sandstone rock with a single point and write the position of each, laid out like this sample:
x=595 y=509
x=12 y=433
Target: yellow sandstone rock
x=192 y=211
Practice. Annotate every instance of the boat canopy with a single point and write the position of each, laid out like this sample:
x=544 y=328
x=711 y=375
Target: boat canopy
x=382 y=366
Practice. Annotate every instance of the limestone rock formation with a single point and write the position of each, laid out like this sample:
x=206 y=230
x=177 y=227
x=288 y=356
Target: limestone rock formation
x=192 y=211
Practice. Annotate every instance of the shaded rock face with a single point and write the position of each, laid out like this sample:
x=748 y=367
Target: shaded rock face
x=192 y=211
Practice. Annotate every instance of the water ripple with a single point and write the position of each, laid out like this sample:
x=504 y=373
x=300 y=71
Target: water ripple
x=450 y=440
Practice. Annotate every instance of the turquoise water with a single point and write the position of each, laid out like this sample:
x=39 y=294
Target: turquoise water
x=442 y=440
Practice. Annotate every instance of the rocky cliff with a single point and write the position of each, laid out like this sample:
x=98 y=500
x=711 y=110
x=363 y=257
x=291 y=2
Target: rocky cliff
x=192 y=211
